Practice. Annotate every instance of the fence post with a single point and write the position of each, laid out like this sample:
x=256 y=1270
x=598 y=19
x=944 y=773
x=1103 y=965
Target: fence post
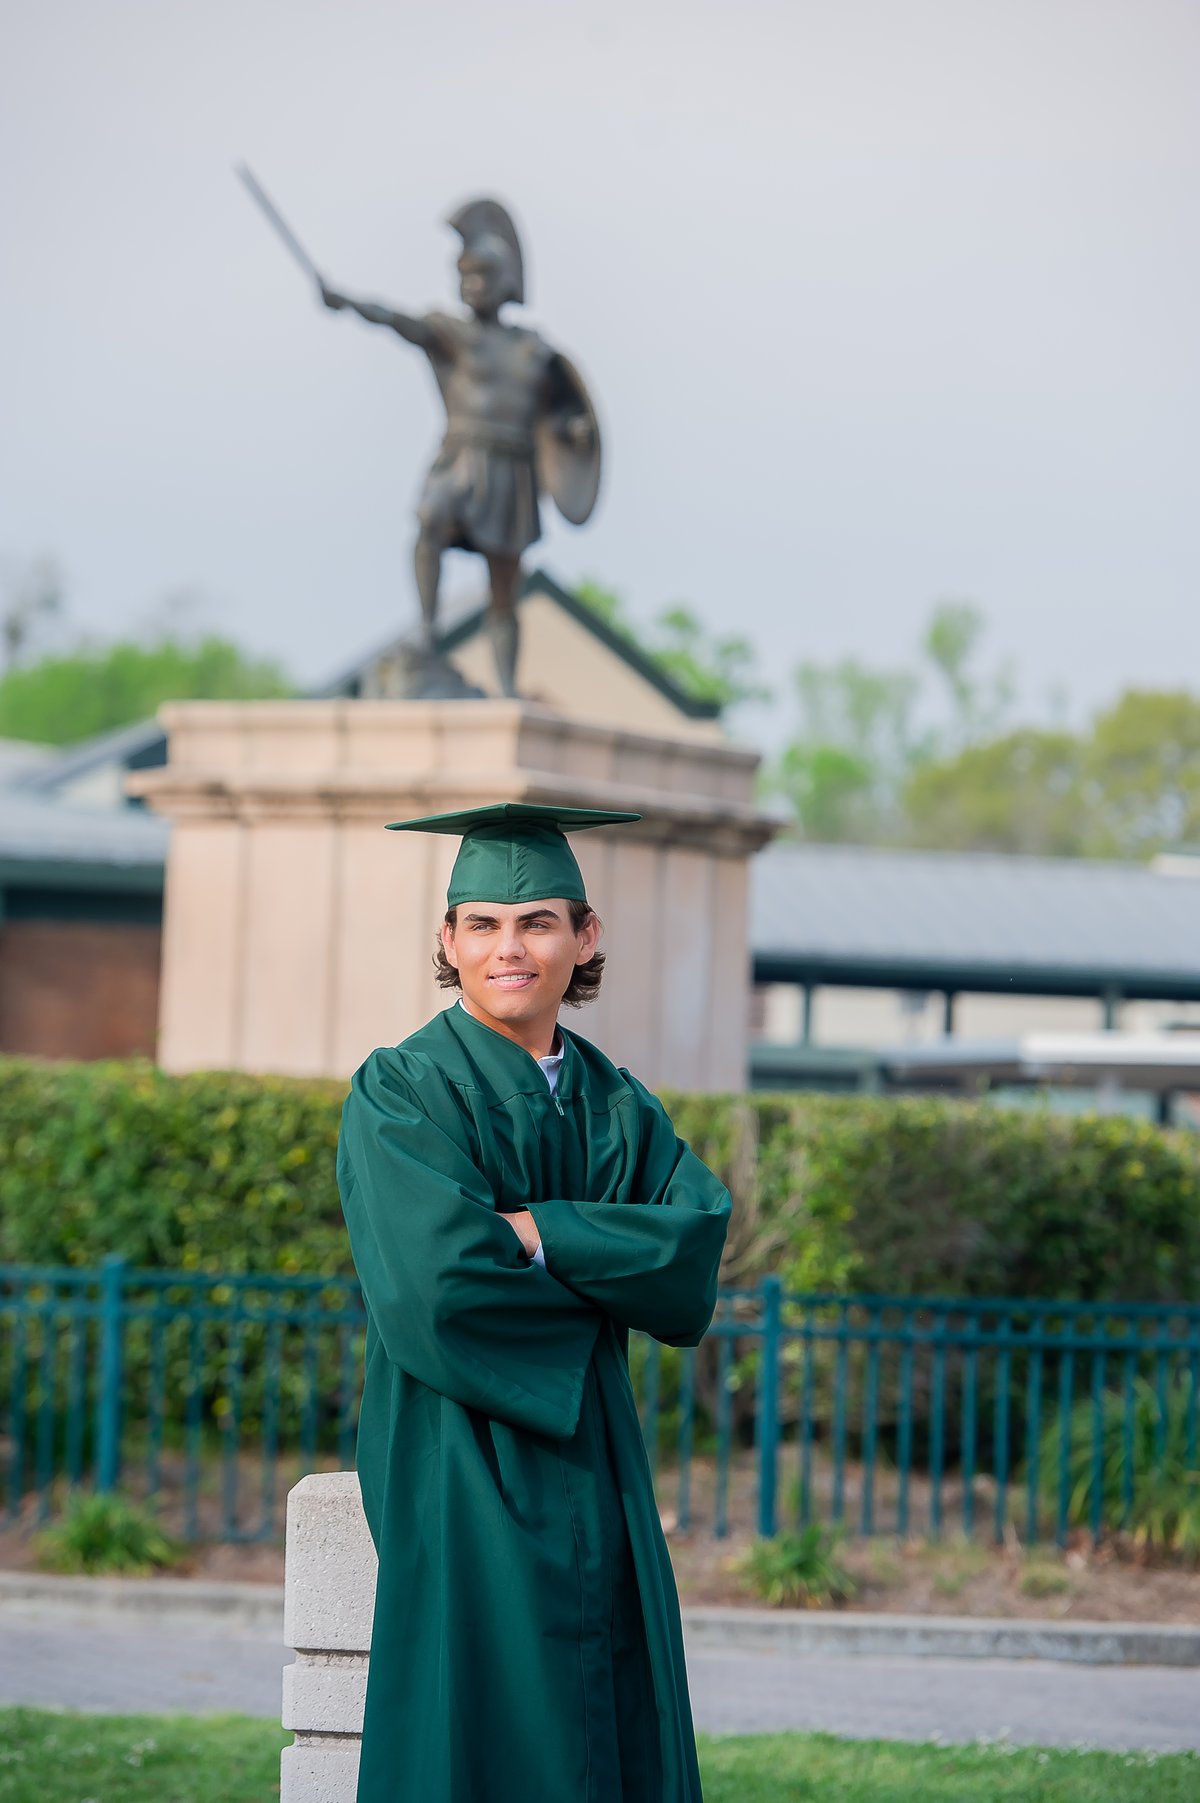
x=768 y=1406
x=112 y=1358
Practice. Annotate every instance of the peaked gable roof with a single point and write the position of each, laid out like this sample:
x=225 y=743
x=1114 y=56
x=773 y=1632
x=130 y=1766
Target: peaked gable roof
x=135 y=747
x=467 y=624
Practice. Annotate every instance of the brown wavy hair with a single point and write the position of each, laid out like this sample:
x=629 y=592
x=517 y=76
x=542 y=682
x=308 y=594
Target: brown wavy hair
x=584 y=986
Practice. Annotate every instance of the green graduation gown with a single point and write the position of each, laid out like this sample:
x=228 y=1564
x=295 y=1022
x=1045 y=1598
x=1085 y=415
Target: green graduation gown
x=527 y=1640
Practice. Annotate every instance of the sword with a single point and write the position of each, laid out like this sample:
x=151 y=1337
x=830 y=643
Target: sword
x=259 y=194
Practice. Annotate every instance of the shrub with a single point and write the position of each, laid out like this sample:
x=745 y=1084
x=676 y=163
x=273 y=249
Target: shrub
x=216 y=1172
x=228 y=1172
x=797 y=1570
x=1163 y=1512
x=222 y=1172
x=928 y=1196
x=106 y=1533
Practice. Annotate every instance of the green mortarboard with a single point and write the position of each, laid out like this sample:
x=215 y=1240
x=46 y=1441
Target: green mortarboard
x=515 y=851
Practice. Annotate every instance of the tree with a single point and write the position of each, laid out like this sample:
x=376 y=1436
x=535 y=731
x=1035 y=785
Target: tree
x=1127 y=786
x=706 y=667
x=32 y=597
x=855 y=740
x=830 y=791
x=1019 y=793
x=61 y=699
x=862 y=733
x=925 y=756
x=979 y=704
x=1141 y=774
x=607 y=603
x=711 y=669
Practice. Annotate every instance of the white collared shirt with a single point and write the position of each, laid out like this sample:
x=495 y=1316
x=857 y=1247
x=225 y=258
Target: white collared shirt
x=553 y=1064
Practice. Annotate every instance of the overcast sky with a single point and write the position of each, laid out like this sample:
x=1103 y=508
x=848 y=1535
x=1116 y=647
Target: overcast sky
x=880 y=303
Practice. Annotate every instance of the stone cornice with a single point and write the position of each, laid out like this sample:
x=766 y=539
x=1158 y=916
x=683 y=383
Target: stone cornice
x=368 y=762
x=349 y=721
x=671 y=816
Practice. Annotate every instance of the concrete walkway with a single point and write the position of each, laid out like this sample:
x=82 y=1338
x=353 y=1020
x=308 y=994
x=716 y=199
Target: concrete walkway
x=1030 y=1702
x=128 y=1662
x=211 y=1608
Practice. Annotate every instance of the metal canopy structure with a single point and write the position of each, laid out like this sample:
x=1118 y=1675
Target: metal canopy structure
x=979 y=923
x=1157 y=1062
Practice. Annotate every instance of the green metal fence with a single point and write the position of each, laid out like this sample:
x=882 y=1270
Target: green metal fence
x=210 y=1395
x=892 y=1415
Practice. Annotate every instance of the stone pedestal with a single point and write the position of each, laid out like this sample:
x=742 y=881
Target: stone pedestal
x=298 y=935
x=328 y=1602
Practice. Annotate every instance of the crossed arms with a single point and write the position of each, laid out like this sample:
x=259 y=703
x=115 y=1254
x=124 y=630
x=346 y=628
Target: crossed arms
x=456 y=1301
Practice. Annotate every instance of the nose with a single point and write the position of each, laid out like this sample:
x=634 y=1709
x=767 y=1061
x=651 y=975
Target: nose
x=512 y=945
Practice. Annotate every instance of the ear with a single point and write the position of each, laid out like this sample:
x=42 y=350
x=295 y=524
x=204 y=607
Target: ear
x=448 y=944
x=589 y=939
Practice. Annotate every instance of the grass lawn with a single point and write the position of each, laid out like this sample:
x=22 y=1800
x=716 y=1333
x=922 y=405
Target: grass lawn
x=816 y=1768
x=46 y=1757
x=51 y=1758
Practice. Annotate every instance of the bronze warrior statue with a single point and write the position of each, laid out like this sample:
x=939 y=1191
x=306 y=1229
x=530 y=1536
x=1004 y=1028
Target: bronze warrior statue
x=518 y=421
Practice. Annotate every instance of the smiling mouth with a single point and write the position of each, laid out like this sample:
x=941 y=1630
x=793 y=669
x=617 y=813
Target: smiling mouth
x=514 y=980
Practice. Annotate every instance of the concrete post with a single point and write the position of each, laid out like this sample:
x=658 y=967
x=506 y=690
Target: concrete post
x=329 y=1599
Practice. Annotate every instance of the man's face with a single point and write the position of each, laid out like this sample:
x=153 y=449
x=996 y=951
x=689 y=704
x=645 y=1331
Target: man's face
x=516 y=960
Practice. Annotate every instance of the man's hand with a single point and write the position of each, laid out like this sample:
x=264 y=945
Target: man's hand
x=525 y=1228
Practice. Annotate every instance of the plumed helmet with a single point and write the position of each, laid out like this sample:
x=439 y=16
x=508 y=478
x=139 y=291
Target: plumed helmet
x=486 y=229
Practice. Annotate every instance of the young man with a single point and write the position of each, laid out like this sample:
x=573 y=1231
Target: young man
x=516 y=1204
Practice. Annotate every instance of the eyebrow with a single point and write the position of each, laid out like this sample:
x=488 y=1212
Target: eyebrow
x=523 y=919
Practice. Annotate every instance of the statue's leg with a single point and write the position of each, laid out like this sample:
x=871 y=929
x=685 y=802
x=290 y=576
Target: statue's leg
x=427 y=562
x=505 y=573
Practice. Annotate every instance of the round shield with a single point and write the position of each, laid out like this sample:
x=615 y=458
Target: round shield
x=568 y=455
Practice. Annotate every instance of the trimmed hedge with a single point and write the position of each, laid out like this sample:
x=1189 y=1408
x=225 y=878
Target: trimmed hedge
x=930 y=1196
x=221 y=1172
x=217 y=1172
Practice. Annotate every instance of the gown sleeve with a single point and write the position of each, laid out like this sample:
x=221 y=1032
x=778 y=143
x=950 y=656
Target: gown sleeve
x=648 y=1258
x=455 y=1300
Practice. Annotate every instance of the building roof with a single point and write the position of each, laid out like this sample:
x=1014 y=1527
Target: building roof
x=132 y=747
x=19 y=758
x=45 y=842
x=468 y=622
x=973 y=921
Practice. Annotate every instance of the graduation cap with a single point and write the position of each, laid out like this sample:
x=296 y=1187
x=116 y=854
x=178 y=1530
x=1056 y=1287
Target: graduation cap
x=515 y=851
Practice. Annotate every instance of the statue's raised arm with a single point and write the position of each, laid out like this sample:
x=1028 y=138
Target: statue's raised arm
x=418 y=331
x=421 y=332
